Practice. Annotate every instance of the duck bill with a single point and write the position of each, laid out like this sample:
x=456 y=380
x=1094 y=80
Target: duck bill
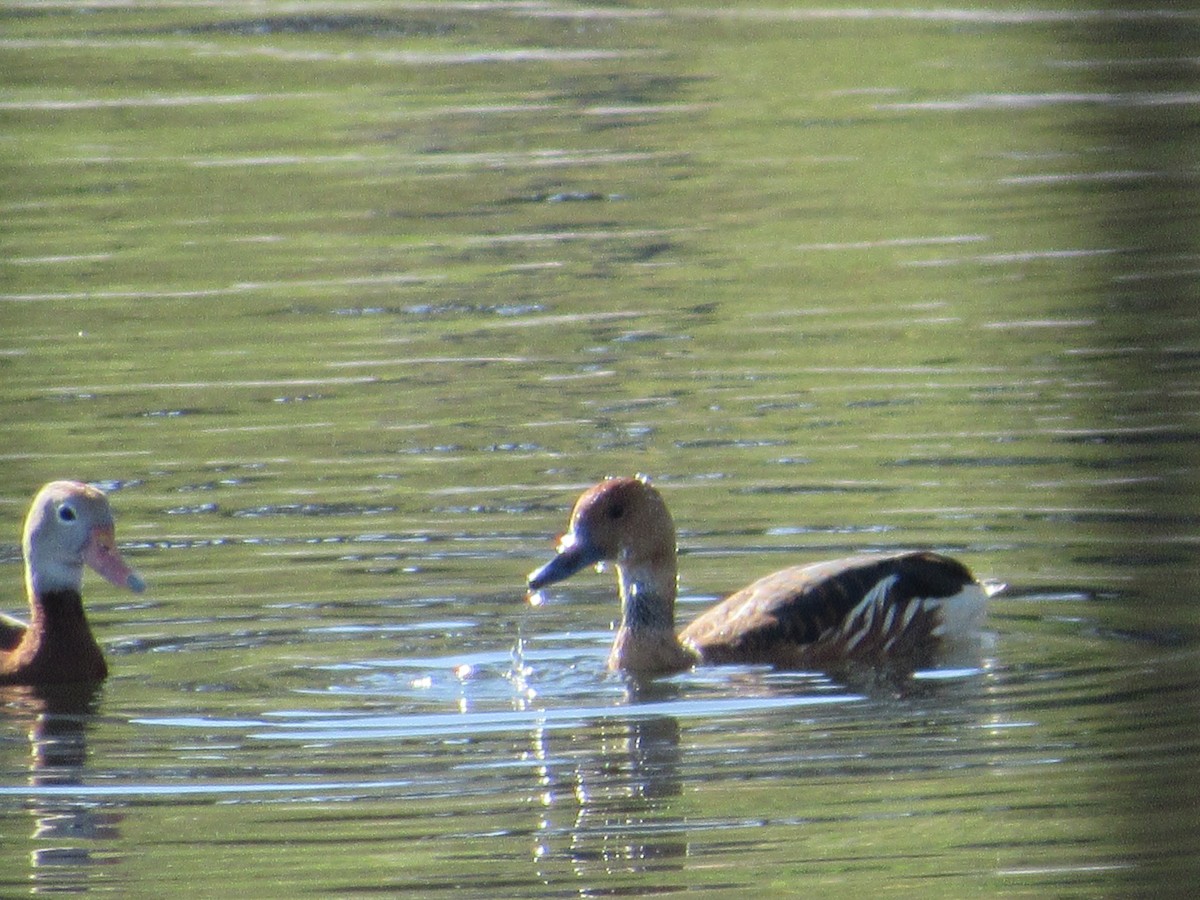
x=573 y=555
x=101 y=554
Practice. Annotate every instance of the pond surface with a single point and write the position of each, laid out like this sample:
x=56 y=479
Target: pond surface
x=345 y=303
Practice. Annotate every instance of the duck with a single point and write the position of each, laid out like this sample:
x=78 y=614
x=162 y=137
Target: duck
x=900 y=612
x=69 y=524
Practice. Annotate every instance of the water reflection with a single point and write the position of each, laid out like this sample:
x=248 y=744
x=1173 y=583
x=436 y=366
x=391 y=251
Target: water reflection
x=66 y=830
x=606 y=799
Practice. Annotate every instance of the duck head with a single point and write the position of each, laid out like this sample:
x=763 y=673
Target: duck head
x=622 y=521
x=69 y=525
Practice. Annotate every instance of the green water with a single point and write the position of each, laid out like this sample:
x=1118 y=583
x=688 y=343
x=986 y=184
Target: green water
x=345 y=303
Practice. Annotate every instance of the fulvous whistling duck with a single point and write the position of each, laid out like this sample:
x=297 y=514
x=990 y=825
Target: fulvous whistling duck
x=904 y=611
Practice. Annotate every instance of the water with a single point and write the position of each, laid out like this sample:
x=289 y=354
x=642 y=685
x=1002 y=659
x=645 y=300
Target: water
x=345 y=304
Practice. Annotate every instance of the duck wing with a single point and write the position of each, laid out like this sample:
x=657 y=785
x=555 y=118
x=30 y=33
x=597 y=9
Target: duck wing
x=874 y=609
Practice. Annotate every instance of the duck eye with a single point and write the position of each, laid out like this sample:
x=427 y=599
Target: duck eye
x=616 y=511
x=66 y=513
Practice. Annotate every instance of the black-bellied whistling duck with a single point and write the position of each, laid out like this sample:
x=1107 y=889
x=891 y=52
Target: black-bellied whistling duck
x=69 y=524
x=901 y=612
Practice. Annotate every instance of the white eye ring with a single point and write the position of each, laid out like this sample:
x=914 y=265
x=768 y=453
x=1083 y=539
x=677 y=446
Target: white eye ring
x=66 y=513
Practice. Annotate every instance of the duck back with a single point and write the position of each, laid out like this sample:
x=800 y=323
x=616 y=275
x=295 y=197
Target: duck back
x=903 y=610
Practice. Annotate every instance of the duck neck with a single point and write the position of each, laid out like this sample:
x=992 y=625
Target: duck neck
x=57 y=620
x=645 y=642
x=58 y=644
x=647 y=596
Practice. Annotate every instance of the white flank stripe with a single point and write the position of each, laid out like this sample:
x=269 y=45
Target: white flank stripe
x=889 y=619
x=867 y=609
x=858 y=636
